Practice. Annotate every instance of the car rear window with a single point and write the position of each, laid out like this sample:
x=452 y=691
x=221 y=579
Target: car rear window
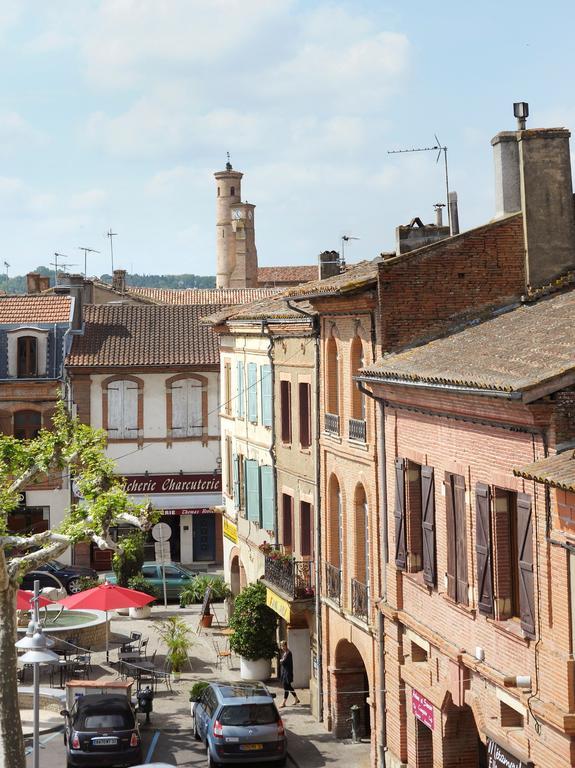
x=249 y=714
x=117 y=720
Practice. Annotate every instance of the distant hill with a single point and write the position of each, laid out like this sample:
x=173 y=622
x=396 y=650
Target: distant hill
x=17 y=284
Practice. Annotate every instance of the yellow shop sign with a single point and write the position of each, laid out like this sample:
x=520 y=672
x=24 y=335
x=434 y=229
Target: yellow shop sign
x=278 y=604
x=230 y=530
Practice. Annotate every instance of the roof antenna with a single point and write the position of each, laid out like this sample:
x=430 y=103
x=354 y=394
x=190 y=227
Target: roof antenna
x=228 y=164
x=86 y=252
x=440 y=149
x=111 y=235
x=345 y=239
x=63 y=267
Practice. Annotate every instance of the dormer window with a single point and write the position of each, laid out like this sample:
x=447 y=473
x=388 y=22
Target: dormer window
x=27 y=364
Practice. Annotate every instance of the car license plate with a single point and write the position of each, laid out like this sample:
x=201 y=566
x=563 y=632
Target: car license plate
x=248 y=747
x=101 y=741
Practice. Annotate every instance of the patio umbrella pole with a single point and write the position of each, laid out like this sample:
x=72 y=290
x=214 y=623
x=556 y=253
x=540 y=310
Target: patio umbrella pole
x=107 y=642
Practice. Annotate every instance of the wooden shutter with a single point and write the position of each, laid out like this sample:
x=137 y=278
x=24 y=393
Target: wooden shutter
x=287 y=522
x=195 y=421
x=459 y=498
x=400 y=548
x=305 y=529
x=179 y=409
x=483 y=549
x=266 y=395
x=450 y=531
x=252 y=392
x=130 y=409
x=525 y=557
x=285 y=406
x=115 y=409
x=236 y=480
x=6 y=423
x=305 y=415
x=240 y=390
x=253 y=491
x=428 y=525
x=268 y=497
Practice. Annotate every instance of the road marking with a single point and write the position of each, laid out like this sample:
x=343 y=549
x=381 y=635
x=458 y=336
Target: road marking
x=152 y=746
x=29 y=750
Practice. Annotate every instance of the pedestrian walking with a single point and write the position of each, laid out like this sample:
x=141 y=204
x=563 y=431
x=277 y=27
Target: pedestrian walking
x=286 y=672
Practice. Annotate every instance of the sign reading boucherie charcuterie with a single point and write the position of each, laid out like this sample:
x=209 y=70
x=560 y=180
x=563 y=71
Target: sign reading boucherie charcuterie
x=422 y=708
x=148 y=484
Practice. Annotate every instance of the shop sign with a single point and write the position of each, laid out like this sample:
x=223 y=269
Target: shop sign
x=230 y=530
x=187 y=511
x=501 y=758
x=190 y=483
x=278 y=604
x=422 y=708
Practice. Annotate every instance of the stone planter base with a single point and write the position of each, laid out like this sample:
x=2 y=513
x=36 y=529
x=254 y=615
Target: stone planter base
x=123 y=611
x=260 y=669
x=140 y=613
x=206 y=620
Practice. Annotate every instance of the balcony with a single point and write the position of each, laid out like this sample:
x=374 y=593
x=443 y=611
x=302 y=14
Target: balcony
x=357 y=430
x=359 y=600
x=293 y=577
x=333 y=583
x=331 y=424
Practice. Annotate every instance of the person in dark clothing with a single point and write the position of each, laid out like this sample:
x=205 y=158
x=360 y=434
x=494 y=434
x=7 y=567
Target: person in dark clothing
x=286 y=672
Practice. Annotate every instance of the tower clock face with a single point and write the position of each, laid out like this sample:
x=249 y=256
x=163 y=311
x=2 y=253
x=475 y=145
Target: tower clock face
x=236 y=213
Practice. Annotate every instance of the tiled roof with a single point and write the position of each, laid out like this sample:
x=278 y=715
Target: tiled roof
x=133 y=335
x=510 y=352
x=283 y=275
x=558 y=471
x=226 y=296
x=275 y=308
x=356 y=276
x=35 y=309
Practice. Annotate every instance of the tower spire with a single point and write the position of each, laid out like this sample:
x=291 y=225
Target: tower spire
x=228 y=164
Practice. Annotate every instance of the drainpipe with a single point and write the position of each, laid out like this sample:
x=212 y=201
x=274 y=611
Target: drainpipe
x=317 y=538
x=272 y=451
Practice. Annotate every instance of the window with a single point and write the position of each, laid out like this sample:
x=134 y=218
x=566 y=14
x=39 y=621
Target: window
x=357 y=397
x=253 y=497
x=510 y=718
x=252 y=393
x=187 y=408
x=230 y=475
x=287 y=521
x=150 y=571
x=332 y=373
x=335 y=538
x=268 y=497
x=232 y=191
x=285 y=408
x=227 y=388
x=304 y=415
x=27 y=357
x=240 y=390
x=239 y=481
x=266 y=395
x=361 y=536
x=306 y=529
x=27 y=424
x=122 y=409
x=457 y=583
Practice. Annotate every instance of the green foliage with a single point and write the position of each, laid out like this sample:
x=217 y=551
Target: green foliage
x=176 y=635
x=195 y=591
x=88 y=582
x=127 y=562
x=197 y=689
x=141 y=584
x=254 y=624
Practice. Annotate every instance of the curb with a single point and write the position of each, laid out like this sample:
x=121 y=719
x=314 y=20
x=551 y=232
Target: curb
x=41 y=732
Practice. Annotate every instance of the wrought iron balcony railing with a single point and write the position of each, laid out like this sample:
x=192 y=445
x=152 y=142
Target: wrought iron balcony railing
x=359 y=600
x=294 y=577
x=333 y=582
x=357 y=430
x=331 y=423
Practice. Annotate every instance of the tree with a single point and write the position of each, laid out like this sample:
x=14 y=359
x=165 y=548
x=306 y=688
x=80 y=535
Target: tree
x=77 y=450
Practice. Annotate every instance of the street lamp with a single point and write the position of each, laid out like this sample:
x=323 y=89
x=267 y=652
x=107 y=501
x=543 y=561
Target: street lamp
x=37 y=647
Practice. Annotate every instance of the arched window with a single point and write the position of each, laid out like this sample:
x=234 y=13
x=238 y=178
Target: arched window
x=335 y=538
x=362 y=564
x=332 y=371
x=187 y=405
x=27 y=424
x=232 y=191
x=27 y=357
x=357 y=362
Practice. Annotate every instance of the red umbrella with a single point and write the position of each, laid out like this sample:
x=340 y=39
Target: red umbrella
x=23 y=597
x=107 y=597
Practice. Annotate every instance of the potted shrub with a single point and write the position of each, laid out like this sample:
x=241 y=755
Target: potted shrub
x=176 y=635
x=141 y=584
x=196 y=590
x=254 y=637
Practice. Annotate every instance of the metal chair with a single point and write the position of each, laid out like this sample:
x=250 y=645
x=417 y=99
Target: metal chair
x=222 y=654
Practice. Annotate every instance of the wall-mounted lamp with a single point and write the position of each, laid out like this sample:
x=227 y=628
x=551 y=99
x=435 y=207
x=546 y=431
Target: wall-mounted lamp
x=480 y=653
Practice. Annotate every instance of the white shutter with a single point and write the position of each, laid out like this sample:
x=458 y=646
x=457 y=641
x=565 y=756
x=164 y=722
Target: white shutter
x=194 y=398
x=115 y=409
x=130 y=409
x=179 y=409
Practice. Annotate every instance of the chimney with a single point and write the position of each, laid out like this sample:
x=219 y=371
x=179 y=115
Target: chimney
x=33 y=282
x=533 y=175
x=329 y=264
x=76 y=289
x=119 y=280
x=453 y=213
x=438 y=207
x=43 y=283
x=416 y=234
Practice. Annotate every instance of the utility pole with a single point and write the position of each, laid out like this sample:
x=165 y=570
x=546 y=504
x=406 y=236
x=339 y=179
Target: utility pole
x=111 y=235
x=86 y=252
x=439 y=149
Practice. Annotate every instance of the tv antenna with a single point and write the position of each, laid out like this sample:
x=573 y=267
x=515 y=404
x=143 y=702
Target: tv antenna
x=111 y=235
x=6 y=266
x=58 y=267
x=439 y=148
x=86 y=252
x=345 y=239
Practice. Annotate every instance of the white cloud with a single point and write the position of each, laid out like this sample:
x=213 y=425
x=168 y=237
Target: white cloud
x=17 y=200
x=88 y=200
x=16 y=131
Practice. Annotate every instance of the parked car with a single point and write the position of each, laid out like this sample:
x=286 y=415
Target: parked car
x=177 y=577
x=239 y=723
x=55 y=574
x=102 y=730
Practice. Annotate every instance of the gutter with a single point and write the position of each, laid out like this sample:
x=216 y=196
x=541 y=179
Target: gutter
x=447 y=387
x=272 y=450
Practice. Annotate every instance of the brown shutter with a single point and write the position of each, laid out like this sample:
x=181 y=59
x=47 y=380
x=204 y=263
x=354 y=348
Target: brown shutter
x=451 y=529
x=525 y=557
x=400 y=548
x=459 y=499
x=6 y=423
x=428 y=525
x=483 y=549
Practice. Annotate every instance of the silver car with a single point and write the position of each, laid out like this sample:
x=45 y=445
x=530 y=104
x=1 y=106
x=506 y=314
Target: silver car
x=239 y=723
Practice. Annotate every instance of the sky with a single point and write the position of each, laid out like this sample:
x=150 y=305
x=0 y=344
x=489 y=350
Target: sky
x=116 y=113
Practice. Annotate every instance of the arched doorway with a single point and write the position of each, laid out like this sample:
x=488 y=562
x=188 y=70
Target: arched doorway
x=350 y=685
x=235 y=584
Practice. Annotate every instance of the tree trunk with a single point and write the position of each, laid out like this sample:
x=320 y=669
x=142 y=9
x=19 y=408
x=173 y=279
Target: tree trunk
x=11 y=741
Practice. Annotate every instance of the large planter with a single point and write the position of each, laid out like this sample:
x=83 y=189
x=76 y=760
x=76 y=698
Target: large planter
x=123 y=611
x=206 y=619
x=144 y=612
x=260 y=669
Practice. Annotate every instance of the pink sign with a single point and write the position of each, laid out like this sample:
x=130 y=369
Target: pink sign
x=422 y=708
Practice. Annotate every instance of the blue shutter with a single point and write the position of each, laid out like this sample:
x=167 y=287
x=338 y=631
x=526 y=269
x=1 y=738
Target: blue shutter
x=252 y=392
x=253 y=491
x=240 y=390
x=236 y=471
x=268 y=498
x=266 y=395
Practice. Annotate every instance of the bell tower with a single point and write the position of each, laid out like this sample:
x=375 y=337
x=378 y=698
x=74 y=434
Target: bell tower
x=236 y=255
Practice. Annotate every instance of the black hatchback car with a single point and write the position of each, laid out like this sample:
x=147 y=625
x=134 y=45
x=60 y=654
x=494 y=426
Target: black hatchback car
x=54 y=573
x=102 y=730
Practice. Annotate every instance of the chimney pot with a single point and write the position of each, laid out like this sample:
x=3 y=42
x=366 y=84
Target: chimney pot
x=119 y=280
x=33 y=282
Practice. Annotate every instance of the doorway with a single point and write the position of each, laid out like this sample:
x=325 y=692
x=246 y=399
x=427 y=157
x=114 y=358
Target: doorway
x=204 y=538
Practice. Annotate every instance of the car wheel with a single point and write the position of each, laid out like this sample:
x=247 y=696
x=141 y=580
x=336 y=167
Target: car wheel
x=197 y=736
x=73 y=587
